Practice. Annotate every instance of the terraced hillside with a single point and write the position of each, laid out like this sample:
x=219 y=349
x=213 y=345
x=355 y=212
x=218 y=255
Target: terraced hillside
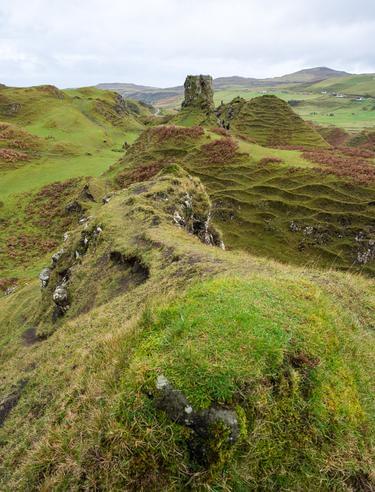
x=269 y=121
x=275 y=203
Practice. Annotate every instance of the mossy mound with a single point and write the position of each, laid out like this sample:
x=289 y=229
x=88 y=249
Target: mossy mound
x=295 y=386
x=270 y=121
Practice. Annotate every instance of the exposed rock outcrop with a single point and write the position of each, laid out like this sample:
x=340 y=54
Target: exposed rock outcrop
x=199 y=92
x=44 y=277
x=197 y=221
x=209 y=426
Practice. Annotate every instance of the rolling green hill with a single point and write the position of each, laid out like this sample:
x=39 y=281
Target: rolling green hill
x=77 y=131
x=49 y=141
x=356 y=85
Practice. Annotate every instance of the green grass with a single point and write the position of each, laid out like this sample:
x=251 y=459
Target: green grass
x=362 y=85
x=192 y=117
x=289 y=349
x=227 y=95
x=219 y=345
x=256 y=202
x=342 y=113
x=48 y=170
x=289 y=158
x=255 y=206
x=80 y=130
x=269 y=121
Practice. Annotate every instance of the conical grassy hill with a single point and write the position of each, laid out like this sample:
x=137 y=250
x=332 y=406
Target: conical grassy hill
x=269 y=121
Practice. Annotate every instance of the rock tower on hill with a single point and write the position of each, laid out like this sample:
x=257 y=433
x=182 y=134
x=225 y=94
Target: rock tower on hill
x=199 y=92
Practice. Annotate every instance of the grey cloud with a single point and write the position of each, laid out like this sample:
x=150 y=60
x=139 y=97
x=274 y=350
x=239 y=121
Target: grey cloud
x=157 y=42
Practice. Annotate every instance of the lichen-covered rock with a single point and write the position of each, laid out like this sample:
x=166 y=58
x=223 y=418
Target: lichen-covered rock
x=44 y=277
x=73 y=207
x=10 y=290
x=57 y=256
x=60 y=296
x=173 y=402
x=194 y=214
x=199 y=92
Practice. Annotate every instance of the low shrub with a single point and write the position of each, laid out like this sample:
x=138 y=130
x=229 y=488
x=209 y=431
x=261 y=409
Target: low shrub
x=220 y=131
x=356 y=168
x=270 y=160
x=11 y=155
x=140 y=173
x=220 y=151
x=164 y=133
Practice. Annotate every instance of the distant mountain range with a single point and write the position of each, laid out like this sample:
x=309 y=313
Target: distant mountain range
x=153 y=94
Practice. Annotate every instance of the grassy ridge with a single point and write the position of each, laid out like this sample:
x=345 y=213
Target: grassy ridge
x=309 y=103
x=289 y=350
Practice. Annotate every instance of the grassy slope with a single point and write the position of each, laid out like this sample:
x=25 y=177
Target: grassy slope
x=80 y=130
x=301 y=386
x=255 y=202
x=66 y=134
x=33 y=223
x=357 y=85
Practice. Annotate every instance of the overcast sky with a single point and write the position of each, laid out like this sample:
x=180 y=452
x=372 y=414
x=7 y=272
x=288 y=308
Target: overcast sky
x=73 y=43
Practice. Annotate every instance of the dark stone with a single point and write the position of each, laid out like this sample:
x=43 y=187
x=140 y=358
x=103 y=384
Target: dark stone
x=172 y=402
x=199 y=92
x=73 y=207
x=86 y=194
